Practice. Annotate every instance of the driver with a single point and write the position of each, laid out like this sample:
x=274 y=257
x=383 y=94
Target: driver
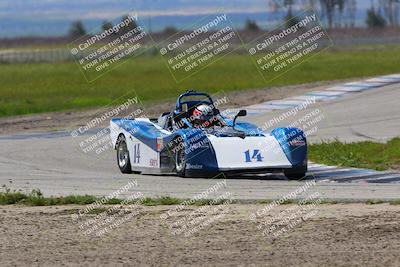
x=203 y=116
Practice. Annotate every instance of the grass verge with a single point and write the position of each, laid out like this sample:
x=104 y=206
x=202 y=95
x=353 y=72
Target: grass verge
x=36 y=88
x=366 y=154
x=36 y=198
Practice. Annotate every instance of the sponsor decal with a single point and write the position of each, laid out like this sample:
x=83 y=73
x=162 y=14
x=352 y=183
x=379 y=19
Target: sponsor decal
x=194 y=166
x=153 y=162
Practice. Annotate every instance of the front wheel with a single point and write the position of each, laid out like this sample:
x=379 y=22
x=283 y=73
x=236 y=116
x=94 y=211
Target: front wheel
x=295 y=174
x=123 y=160
x=180 y=160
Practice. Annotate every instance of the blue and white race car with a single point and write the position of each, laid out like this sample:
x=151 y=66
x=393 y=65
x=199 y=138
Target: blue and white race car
x=196 y=140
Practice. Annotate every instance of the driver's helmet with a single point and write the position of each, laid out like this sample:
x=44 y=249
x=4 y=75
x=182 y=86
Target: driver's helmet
x=203 y=115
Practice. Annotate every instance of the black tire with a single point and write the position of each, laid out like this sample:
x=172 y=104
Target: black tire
x=295 y=174
x=180 y=159
x=123 y=159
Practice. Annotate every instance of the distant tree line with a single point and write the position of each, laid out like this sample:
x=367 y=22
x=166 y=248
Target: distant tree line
x=341 y=13
x=383 y=12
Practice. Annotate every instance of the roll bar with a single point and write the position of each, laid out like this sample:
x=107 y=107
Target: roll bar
x=191 y=93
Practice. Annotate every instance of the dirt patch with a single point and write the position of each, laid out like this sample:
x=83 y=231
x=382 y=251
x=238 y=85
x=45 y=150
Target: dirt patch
x=61 y=121
x=337 y=235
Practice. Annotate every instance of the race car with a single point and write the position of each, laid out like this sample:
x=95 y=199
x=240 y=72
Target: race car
x=195 y=139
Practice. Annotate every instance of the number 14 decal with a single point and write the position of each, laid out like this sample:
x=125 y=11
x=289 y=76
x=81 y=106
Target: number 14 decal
x=136 y=153
x=256 y=156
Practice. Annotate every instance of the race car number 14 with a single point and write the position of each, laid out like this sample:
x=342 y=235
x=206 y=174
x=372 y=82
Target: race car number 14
x=136 y=153
x=255 y=156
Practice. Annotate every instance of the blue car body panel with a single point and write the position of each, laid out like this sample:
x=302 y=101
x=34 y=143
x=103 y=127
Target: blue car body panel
x=287 y=137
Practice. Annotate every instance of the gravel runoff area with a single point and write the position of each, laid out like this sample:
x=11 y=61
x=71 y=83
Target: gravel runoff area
x=335 y=235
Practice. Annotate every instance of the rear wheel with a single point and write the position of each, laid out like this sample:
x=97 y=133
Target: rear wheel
x=180 y=160
x=123 y=160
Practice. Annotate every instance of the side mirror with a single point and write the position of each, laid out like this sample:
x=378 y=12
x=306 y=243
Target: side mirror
x=241 y=113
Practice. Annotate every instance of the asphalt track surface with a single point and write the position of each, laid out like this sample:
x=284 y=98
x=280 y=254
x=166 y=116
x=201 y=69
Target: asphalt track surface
x=56 y=165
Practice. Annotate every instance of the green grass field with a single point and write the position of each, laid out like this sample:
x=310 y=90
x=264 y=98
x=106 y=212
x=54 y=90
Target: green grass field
x=368 y=155
x=35 y=88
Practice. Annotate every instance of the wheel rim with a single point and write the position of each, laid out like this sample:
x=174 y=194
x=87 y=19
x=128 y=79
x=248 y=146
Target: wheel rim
x=180 y=159
x=123 y=154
